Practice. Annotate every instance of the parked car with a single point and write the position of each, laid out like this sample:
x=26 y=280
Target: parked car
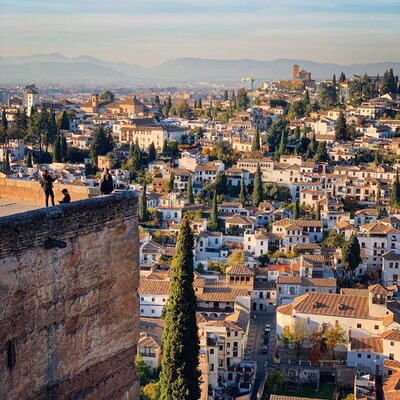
x=267 y=328
x=264 y=349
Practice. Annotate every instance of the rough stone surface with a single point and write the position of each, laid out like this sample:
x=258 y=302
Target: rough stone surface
x=72 y=313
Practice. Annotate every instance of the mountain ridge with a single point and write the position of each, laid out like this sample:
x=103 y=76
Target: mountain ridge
x=55 y=67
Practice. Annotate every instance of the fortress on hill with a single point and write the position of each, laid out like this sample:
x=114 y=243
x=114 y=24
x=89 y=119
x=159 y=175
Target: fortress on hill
x=69 y=312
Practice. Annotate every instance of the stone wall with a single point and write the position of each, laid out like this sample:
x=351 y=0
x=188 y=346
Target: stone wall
x=22 y=189
x=69 y=311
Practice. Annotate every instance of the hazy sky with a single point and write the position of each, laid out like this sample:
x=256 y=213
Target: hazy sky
x=148 y=32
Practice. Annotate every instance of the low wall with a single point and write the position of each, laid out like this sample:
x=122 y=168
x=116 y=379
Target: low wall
x=22 y=189
x=69 y=309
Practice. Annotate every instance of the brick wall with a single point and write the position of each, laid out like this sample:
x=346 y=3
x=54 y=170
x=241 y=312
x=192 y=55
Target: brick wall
x=69 y=314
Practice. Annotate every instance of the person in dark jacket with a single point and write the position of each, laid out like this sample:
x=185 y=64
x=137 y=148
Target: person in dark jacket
x=106 y=182
x=67 y=198
x=47 y=185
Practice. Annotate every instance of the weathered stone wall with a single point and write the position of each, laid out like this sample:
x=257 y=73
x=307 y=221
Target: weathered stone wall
x=69 y=316
x=22 y=189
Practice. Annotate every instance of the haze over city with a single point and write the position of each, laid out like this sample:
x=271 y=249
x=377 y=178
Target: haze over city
x=151 y=32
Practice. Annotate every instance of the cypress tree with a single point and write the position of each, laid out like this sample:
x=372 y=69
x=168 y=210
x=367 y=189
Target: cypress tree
x=258 y=189
x=189 y=196
x=351 y=255
x=64 y=148
x=341 y=127
x=180 y=376
x=296 y=214
x=7 y=164
x=29 y=161
x=226 y=96
x=57 y=150
x=213 y=224
x=143 y=216
x=165 y=148
x=65 y=124
x=152 y=152
x=169 y=102
x=200 y=103
x=395 y=192
x=243 y=193
x=342 y=77
x=306 y=98
x=318 y=213
x=157 y=101
x=255 y=145
x=4 y=121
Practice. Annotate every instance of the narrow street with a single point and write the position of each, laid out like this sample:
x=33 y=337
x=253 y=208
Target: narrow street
x=255 y=342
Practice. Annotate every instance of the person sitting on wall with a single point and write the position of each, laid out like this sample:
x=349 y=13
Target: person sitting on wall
x=47 y=185
x=106 y=182
x=67 y=198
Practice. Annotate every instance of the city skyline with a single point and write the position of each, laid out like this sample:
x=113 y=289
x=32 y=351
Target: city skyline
x=149 y=34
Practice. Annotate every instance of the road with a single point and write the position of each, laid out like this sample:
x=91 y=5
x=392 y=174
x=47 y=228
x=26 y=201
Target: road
x=254 y=344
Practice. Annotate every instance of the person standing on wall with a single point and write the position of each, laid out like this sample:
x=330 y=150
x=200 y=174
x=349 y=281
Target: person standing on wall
x=47 y=185
x=106 y=182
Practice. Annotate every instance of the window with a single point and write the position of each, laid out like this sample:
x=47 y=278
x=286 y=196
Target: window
x=376 y=327
x=358 y=325
x=152 y=311
x=359 y=355
x=211 y=351
x=221 y=347
x=153 y=299
x=211 y=367
x=391 y=356
x=392 y=343
x=368 y=355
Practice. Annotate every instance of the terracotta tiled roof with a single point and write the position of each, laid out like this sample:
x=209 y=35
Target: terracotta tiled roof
x=371 y=345
x=378 y=228
x=239 y=270
x=298 y=280
x=230 y=326
x=150 y=286
x=355 y=292
x=391 y=334
x=286 y=222
x=147 y=340
x=377 y=289
x=281 y=397
x=239 y=220
x=328 y=304
x=221 y=294
x=264 y=285
x=286 y=309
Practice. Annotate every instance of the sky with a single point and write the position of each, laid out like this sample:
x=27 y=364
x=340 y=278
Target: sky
x=149 y=32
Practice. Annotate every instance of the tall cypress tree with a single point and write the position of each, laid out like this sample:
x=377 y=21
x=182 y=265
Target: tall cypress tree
x=258 y=188
x=318 y=213
x=189 y=196
x=57 y=150
x=226 y=96
x=64 y=124
x=152 y=152
x=213 y=224
x=351 y=255
x=243 y=193
x=296 y=214
x=395 y=192
x=29 y=161
x=341 y=127
x=4 y=121
x=342 y=77
x=179 y=378
x=255 y=145
x=64 y=148
x=143 y=215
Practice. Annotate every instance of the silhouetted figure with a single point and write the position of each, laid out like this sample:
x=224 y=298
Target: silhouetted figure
x=106 y=182
x=67 y=198
x=47 y=185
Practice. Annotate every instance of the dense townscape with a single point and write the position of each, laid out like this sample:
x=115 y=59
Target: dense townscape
x=269 y=219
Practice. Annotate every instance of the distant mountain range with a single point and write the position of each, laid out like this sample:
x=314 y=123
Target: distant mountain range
x=56 y=68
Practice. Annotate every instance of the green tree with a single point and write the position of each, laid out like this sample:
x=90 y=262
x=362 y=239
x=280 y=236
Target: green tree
x=200 y=103
x=169 y=101
x=255 y=145
x=4 y=121
x=107 y=96
x=258 y=187
x=351 y=255
x=321 y=154
x=143 y=214
x=341 y=127
x=334 y=336
x=226 y=96
x=29 y=161
x=274 y=382
x=334 y=240
x=326 y=95
x=64 y=148
x=296 y=334
x=151 y=391
x=395 y=192
x=157 y=101
x=152 y=152
x=189 y=194
x=236 y=258
x=242 y=100
x=180 y=376
x=388 y=84
x=318 y=212
x=101 y=145
x=64 y=123
x=213 y=224
x=243 y=193
x=362 y=89
x=57 y=150
x=342 y=77
x=306 y=97
x=296 y=213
